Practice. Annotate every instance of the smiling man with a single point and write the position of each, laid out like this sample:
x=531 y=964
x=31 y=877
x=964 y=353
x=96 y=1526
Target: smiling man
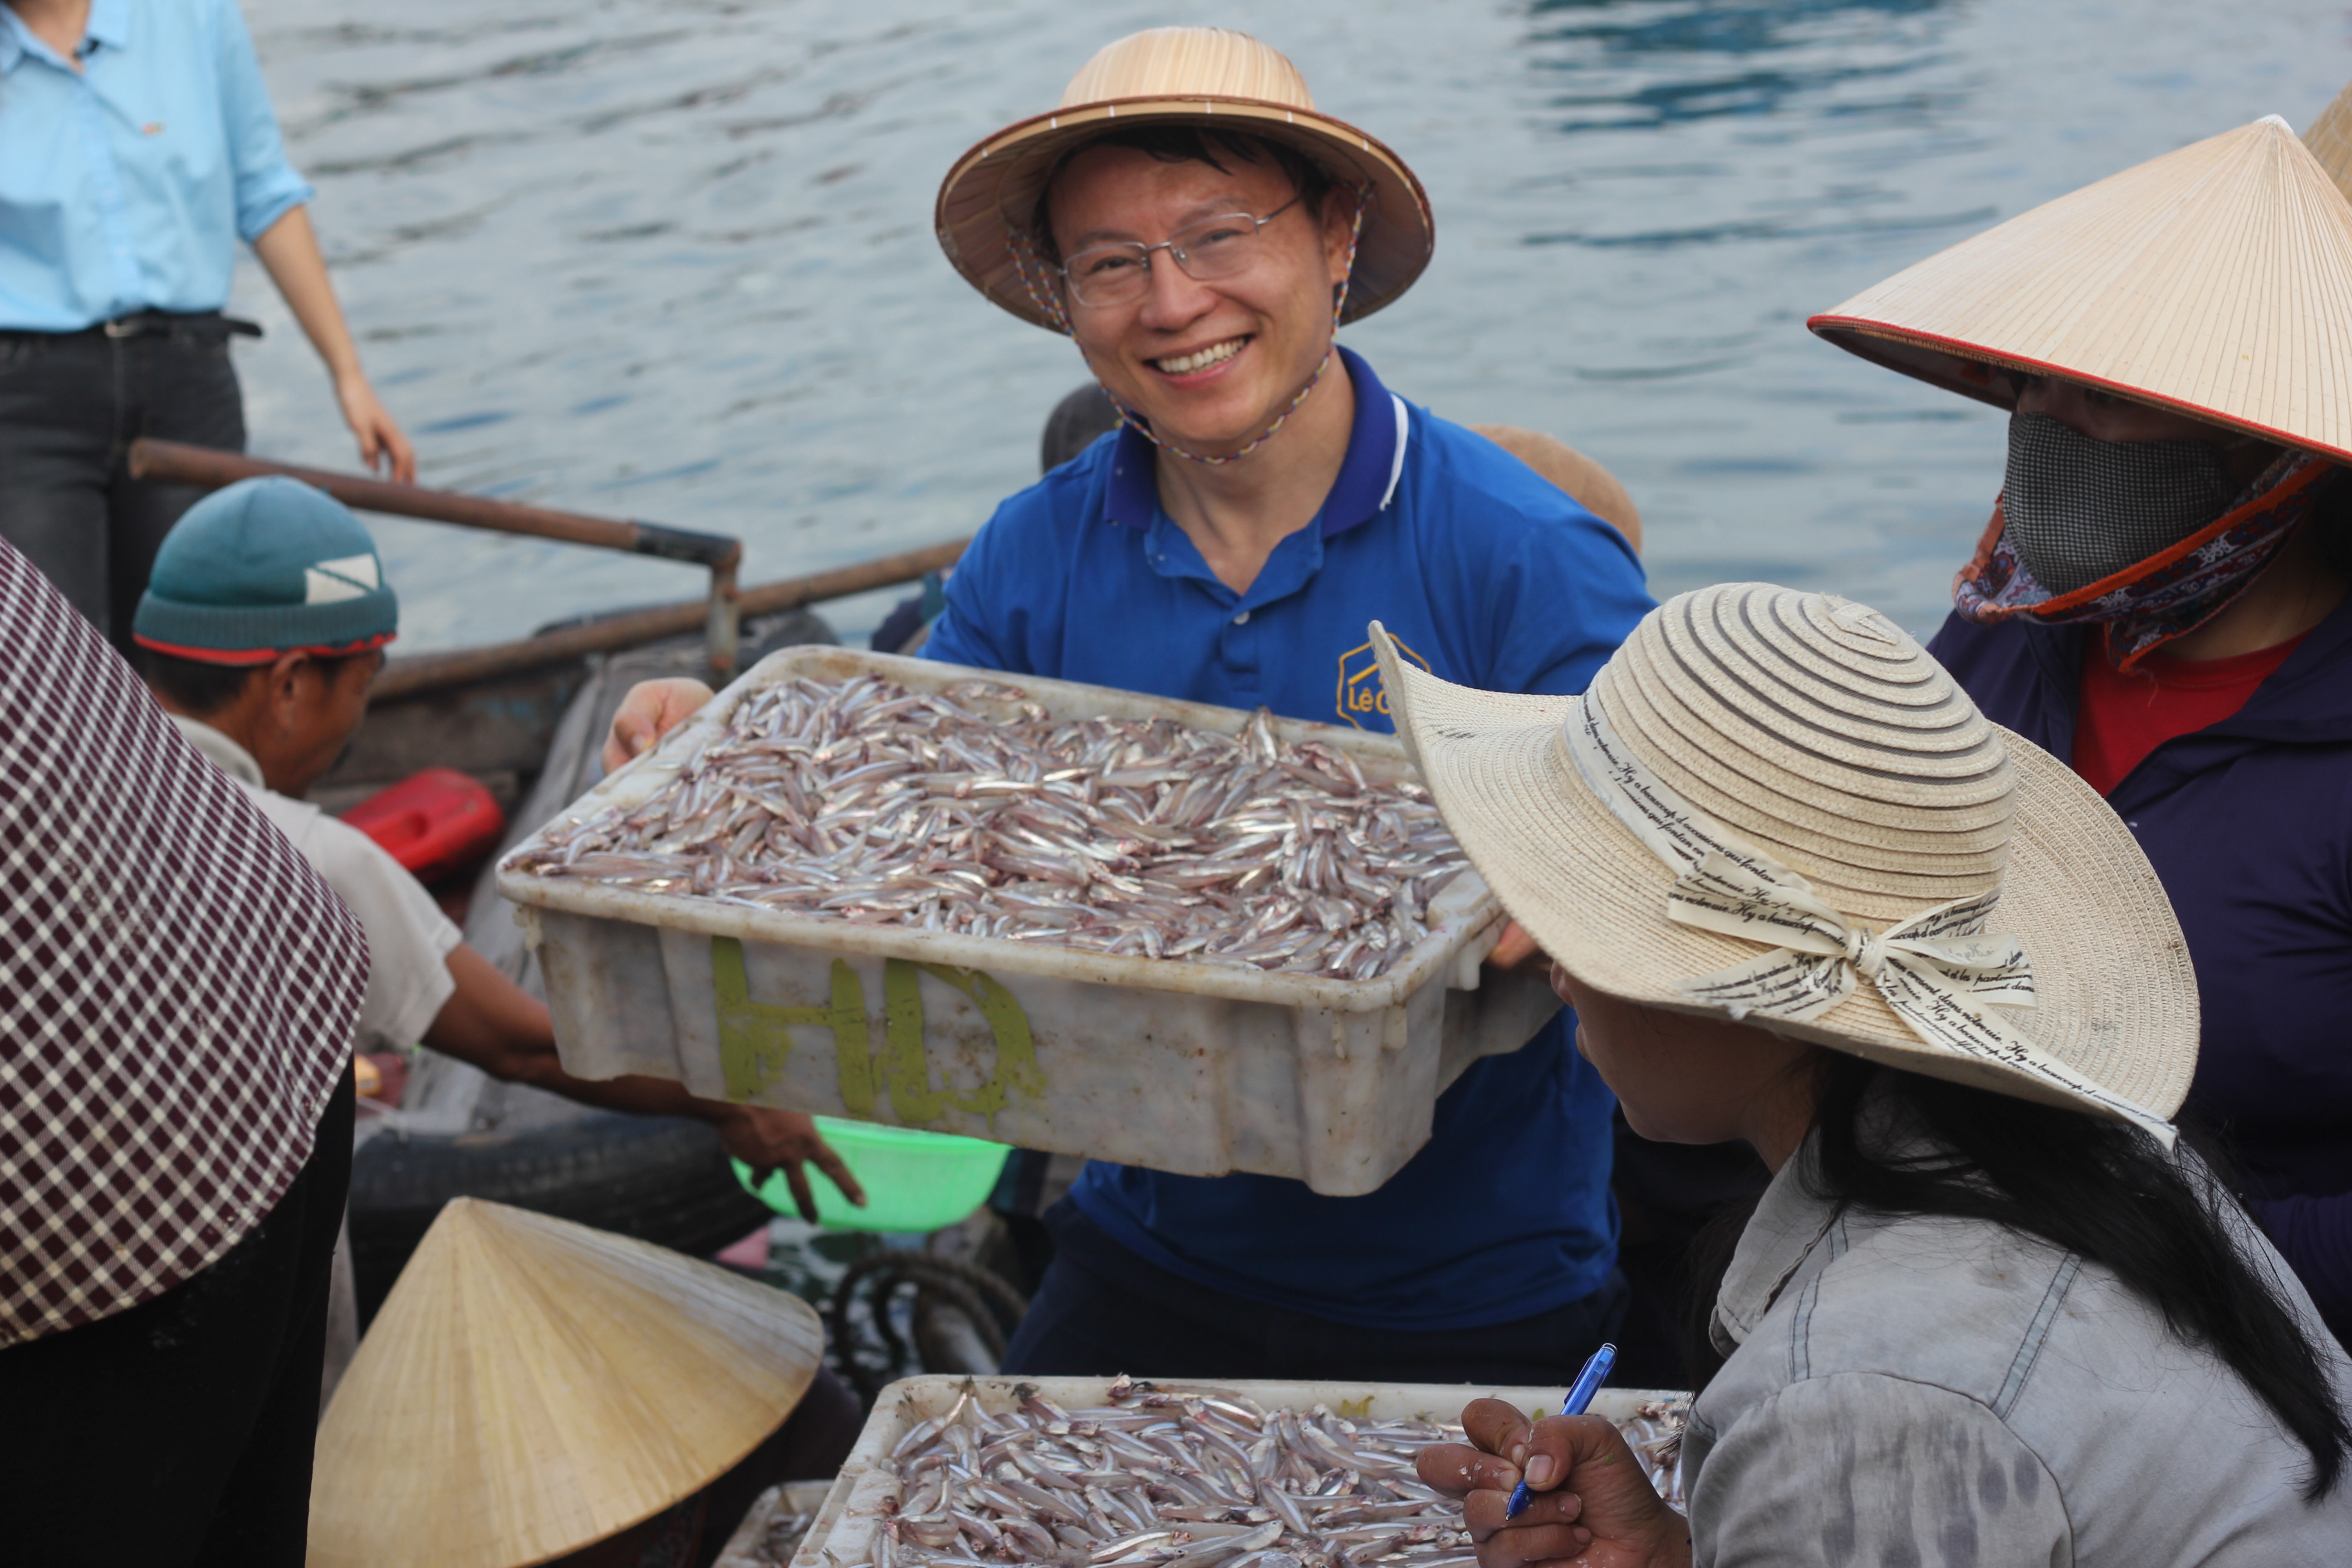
x=1200 y=232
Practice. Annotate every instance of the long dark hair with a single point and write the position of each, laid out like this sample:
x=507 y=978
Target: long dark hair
x=2097 y=1188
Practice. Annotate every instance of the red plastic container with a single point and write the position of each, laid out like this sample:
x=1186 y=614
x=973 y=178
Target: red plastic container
x=434 y=822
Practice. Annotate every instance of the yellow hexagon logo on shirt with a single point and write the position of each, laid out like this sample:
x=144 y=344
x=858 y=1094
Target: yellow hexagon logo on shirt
x=1360 y=694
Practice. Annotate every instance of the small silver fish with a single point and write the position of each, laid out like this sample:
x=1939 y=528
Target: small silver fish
x=863 y=801
x=1151 y=1470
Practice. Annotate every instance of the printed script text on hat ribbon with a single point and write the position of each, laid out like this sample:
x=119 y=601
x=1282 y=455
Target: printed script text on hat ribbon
x=1936 y=970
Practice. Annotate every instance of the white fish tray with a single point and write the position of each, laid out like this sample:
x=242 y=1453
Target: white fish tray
x=747 y=1548
x=1196 y=1069
x=863 y=1498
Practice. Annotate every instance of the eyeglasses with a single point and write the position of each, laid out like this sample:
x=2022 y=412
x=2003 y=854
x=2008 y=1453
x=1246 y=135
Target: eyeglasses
x=1211 y=249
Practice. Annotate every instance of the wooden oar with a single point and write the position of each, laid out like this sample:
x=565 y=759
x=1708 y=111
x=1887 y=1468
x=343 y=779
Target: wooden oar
x=173 y=462
x=437 y=671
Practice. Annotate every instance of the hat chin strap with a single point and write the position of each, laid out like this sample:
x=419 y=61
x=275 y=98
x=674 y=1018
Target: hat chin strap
x=1049 y=300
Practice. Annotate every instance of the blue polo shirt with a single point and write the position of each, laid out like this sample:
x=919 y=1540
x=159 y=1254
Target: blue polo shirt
x=1487 y=576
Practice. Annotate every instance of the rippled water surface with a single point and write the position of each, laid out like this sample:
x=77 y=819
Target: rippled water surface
x=672 y=259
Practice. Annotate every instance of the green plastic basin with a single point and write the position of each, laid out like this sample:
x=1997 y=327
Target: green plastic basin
x=913 y=1180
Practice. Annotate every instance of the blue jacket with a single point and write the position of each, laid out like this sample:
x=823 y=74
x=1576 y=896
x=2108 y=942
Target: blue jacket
x=2249 y=822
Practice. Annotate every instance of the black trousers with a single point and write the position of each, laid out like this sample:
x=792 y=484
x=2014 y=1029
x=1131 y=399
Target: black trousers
x=70 y=406
x=178 y=1434
x=1102 y=1310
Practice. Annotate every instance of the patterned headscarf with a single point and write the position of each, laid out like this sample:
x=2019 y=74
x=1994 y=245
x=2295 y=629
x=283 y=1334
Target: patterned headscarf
x=177 y=987
x=2168 y=595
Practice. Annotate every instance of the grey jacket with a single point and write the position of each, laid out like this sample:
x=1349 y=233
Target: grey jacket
x=1945 y=1393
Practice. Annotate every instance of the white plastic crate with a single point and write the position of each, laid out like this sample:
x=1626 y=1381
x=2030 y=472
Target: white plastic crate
x=1196 y=1069
x=863 y=1497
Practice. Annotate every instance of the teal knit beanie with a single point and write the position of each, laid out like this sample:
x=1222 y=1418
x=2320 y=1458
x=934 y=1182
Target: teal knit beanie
x=266 y=567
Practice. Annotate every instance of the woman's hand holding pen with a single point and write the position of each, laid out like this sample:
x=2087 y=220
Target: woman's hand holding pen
x=1591 y=1504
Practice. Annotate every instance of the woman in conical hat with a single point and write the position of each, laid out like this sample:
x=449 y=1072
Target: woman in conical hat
x=1991 y=1308
x=2159 y=598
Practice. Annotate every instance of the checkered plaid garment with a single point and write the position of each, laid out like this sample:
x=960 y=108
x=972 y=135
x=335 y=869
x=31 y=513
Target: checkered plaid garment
x=177 y=987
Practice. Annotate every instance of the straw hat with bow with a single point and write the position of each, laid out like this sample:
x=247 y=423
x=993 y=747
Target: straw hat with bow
x=532 y=1386
x=1203 y=76
x=2215 y=282
x=1776 y=806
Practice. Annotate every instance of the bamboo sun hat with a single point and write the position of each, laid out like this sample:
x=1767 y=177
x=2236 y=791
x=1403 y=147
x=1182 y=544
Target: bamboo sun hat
x=1776 y=806
x=532 y=1386
x=2215 y=280
x=2330 y=139
x=1208 y=78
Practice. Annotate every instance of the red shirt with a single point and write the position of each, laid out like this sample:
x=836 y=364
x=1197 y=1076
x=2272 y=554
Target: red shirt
x=2120 y=718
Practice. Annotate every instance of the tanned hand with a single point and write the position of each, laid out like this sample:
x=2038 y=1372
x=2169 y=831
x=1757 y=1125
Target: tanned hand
x=651 y=710
x=1591 y=1504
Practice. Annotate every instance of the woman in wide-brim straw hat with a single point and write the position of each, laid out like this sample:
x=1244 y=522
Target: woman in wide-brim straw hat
x=1801 y=893
x=2159 y=598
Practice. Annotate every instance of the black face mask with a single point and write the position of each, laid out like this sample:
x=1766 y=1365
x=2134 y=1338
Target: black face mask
x=2079 y=510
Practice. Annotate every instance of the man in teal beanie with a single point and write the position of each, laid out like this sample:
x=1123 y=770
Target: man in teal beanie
x=264 y=569
x=263 y=623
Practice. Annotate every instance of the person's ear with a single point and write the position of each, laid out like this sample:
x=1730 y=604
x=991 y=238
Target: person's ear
x=286 y=680
x=1338 y=227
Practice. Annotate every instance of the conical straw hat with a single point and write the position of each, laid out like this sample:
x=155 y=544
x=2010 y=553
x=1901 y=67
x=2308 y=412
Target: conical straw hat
x=1815 y=732
x=2216 y=280
x=532 y=1385
x=1207 y=76
x=2330 y=139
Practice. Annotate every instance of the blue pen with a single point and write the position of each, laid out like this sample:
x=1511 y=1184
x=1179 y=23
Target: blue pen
x=1588 y=1384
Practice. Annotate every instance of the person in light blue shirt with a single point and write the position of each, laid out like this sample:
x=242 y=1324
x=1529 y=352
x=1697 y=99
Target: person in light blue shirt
x=137 y=148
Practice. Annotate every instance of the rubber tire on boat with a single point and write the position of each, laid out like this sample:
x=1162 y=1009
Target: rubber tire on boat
x=660 y=1179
